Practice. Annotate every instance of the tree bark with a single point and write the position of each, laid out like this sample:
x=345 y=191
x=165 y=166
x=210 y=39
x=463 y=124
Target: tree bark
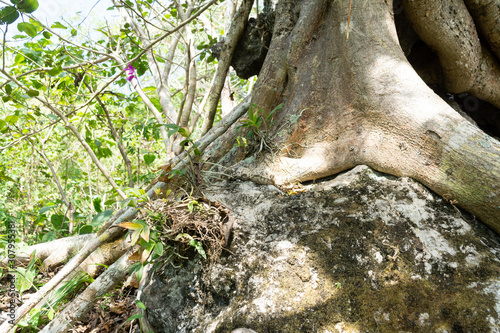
x=63 y=273
x=235 y=31
x=45 y=250
x=81 y=305
x=358 y=101
x=468 y=66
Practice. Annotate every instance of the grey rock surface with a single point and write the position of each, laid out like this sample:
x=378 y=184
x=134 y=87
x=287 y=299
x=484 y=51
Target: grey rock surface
x=363 y=252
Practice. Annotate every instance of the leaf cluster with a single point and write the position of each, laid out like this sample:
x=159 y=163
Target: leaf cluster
x=257 y=124
x=10 y=14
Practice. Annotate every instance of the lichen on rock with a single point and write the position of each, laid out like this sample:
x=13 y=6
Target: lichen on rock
x=363 y=252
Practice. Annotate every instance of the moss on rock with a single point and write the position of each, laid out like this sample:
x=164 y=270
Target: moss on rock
x=363 y=252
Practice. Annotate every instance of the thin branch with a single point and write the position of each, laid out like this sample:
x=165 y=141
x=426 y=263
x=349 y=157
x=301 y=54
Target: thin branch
x=154 y=42
x=3 y=47
x=77 y=134
x=124 y=4
x=65 y=68
x=235 y=31
x=29 y=135
x=69 y=206
x=117 y=138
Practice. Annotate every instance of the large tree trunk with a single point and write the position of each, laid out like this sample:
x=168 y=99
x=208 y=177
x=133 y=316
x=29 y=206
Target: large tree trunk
x=359 y=101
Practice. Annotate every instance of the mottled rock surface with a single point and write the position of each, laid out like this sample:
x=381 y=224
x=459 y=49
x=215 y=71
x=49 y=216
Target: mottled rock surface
x=364 y=252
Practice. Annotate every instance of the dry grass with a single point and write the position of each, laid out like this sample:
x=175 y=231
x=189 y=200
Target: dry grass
x=203 y=220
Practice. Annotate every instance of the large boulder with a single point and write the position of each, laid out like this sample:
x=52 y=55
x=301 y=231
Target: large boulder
x=363 y=252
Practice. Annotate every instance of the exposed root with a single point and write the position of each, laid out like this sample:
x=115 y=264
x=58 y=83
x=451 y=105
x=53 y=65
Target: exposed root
x=450 y=30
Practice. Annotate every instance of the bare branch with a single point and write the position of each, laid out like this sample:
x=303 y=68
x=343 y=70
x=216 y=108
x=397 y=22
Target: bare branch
x=118 y=140
x=80 y=306
x=237 y=27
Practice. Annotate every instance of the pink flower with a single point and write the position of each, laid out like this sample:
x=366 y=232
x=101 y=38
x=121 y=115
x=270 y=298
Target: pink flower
x=130 y=71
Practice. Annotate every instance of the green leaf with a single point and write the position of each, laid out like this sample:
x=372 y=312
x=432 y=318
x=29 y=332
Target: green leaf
x=250 y=114
x=6 y=98
x=145 y=233
x=101 y=217
x=86 y=229
x=29 y=117
x=47 y=34
x=192 y=204
x=8 y=89
x=50 y=314
x=140 y=272
x=54 y=71
x=129 y=202
x=135 y=236
x=45 y=209
x=197 y=245
x=37 y=84
x=131 y=226
x=136 y=316
x=29 y=28
x=158 y=249
x=173 y=129
x=279 y=106
x=24 y=279
x=140 y=304
x=149 y=158
x=184 y=132
x=49 y=236
x=109 y=202
x=39 y=26
x=33 y=93
x=3 y=176
x=11 y=119
x=58 y=25
x=27 y=6
x=3 y=124
x=160 y=59
x=8 y=15
x=141 y=67
x=19 y=59
x=57 y=220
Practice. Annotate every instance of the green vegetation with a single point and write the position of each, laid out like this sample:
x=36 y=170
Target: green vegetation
x=66 y=96
x=88 y=117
